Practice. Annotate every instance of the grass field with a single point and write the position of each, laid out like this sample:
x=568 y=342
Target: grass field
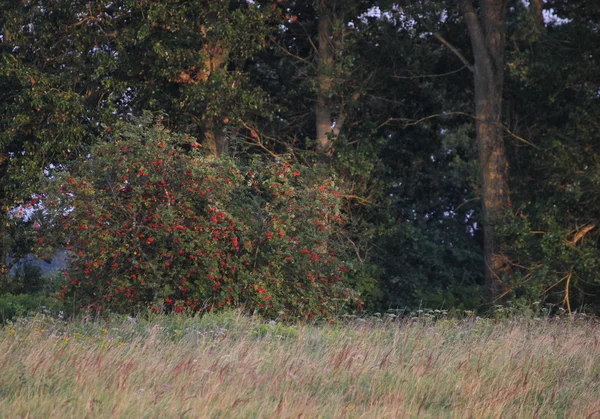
x=230 y=366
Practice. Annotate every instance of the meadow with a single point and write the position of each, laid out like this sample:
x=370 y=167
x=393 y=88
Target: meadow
x=233 y=366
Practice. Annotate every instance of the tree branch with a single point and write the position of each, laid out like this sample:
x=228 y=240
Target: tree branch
x=408 y=121
x=339 y=123
x=455 y=51
x=285 y=50
x=477 y=36
x=424 y=76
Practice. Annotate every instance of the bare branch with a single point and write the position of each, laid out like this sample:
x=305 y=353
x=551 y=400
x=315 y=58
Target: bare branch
x=455 y=51
x=255 y=139
x=284 y=49
x=423 y=76
x=515 y=136
x=409 y=122
x=580 y=234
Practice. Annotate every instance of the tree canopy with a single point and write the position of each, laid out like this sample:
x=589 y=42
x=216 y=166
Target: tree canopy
x=461 y=138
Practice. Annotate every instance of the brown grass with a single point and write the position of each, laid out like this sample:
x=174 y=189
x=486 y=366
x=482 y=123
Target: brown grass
x=230 y=366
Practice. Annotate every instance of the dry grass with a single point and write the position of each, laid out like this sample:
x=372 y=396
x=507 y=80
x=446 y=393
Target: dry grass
x=229 y=366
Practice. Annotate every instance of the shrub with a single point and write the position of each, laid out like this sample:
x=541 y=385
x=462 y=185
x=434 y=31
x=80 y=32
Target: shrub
x=152 y=223
x=13 y=306
x=26 y=278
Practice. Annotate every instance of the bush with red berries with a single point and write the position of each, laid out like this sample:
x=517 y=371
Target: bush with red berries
x=151 y=223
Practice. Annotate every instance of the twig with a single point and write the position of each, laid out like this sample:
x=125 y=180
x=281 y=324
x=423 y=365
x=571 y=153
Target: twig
x=361 y=260
x=258 y=141
x=408 y=122
x=555 y=284
x=422 y=76
x=292 y=55
x=466 y=202
x=357 y=198
x=512 y=134
x=567 y=301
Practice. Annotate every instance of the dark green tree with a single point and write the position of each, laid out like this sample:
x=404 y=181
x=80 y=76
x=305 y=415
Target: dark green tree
x=46 y=99
x=553 y=106
x=70 y=69
x=393 y=165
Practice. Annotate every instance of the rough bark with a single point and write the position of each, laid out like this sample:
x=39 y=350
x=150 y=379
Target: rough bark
x=215 y=59
x=324 y=82
x=4 y=268
x=487 y=33
x=4 y=208
x=215 y=139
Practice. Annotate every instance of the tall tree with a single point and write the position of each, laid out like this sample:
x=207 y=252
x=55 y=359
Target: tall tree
x=316 y=55
x=551 y=93
x=187 y=58
x=47 y=101
x=425 y=241
x=328 y=45
x=487 y=30
x=69 y=67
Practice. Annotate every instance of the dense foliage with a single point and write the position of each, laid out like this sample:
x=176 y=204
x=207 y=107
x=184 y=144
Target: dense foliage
x=381 y=98
x=148 y=224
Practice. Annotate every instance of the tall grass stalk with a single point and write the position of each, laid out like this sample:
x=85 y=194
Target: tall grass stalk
x=234 y=366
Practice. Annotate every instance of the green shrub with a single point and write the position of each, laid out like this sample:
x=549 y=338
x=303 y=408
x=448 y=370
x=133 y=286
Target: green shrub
x=27 y=278
x=13 y=306
x=152 y=223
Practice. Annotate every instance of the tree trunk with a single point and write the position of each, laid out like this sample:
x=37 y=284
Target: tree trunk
x=4 y=208
x=3 y=252
x=487 y=33
x=215 y=60
x=324 y=81
x=215 y=139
